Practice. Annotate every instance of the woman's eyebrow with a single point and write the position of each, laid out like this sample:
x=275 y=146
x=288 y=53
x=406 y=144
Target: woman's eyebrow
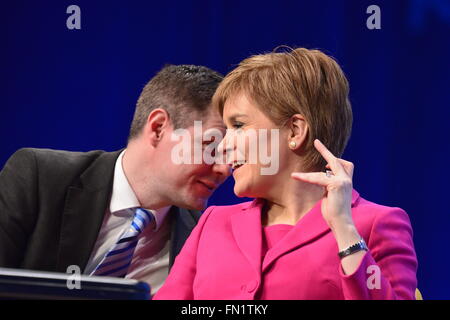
x=237 y=115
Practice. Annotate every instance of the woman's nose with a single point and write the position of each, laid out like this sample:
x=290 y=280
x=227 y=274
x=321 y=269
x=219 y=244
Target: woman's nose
x=225 y=150
x=227 y=143
x=224 y=147
x=223 y=170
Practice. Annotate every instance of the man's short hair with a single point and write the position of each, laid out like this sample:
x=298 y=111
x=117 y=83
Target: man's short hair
x=184 y=91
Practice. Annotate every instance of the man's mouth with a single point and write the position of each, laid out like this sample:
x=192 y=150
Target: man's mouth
x=211 y=186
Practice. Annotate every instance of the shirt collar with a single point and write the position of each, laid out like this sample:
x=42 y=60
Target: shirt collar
x=123 y=197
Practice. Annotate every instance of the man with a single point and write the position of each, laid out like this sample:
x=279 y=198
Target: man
x=115 y=213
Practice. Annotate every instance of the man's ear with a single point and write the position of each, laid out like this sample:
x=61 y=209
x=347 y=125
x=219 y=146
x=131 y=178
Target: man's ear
x=298 y=130
x=157 y=123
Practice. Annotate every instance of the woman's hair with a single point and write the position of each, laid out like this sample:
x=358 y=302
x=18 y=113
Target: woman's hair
x=301 y=81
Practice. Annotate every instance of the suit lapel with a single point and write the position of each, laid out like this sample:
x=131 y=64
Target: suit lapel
x=246 y=228
x=86 y=203
x=183 y=221
x=311 y=227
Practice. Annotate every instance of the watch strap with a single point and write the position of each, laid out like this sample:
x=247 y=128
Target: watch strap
x=359 y=246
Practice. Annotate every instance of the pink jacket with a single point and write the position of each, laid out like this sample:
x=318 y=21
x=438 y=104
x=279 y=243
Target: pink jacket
x=222 y=257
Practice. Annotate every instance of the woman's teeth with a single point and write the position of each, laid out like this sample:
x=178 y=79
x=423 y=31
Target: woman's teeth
x=237 y=164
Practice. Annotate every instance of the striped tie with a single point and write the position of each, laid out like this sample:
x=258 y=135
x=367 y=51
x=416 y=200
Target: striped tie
x=118 y=259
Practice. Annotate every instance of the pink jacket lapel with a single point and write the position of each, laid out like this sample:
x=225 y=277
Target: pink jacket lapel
x=247 y=231
x=311 y=227
x=246 y=227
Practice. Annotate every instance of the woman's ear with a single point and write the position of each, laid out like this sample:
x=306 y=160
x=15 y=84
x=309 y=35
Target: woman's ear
x=157 y=122
x=298 y=130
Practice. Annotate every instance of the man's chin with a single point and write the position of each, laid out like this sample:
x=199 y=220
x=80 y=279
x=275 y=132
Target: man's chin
x=201 y=206
x=196 y=204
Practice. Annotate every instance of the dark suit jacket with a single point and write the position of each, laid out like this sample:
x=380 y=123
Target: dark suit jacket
x=52 y=205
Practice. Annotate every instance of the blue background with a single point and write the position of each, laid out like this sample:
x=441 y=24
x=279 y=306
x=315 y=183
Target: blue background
x=76 y=89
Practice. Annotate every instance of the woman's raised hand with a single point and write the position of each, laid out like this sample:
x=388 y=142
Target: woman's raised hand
x=337 y=183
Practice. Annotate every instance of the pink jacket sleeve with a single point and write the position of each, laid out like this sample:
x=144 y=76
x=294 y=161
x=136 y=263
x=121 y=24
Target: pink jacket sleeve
x=180 y=282
x=388 y=269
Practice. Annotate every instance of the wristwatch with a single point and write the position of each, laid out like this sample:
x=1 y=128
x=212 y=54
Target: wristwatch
x=360 y=245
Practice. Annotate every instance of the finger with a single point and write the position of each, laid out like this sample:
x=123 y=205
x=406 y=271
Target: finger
x=348 y=167
x=334 y=163
x=318 y=178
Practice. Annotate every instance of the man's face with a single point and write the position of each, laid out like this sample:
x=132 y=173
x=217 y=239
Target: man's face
x=189 y=185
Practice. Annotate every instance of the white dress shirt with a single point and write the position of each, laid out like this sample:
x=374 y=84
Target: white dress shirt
x=150 y=261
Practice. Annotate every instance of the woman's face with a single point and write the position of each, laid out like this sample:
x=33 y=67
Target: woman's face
x=253 y=148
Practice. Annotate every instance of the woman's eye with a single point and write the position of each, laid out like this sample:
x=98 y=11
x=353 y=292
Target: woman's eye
x=237 y=125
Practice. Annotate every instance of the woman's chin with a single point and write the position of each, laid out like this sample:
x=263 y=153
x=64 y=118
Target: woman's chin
x=238 y=191
x=242 y=193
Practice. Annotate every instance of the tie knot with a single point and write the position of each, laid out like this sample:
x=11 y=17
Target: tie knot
x=142 y=218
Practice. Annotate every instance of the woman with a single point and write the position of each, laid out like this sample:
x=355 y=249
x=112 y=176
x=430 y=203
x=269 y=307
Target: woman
x=307 y=234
